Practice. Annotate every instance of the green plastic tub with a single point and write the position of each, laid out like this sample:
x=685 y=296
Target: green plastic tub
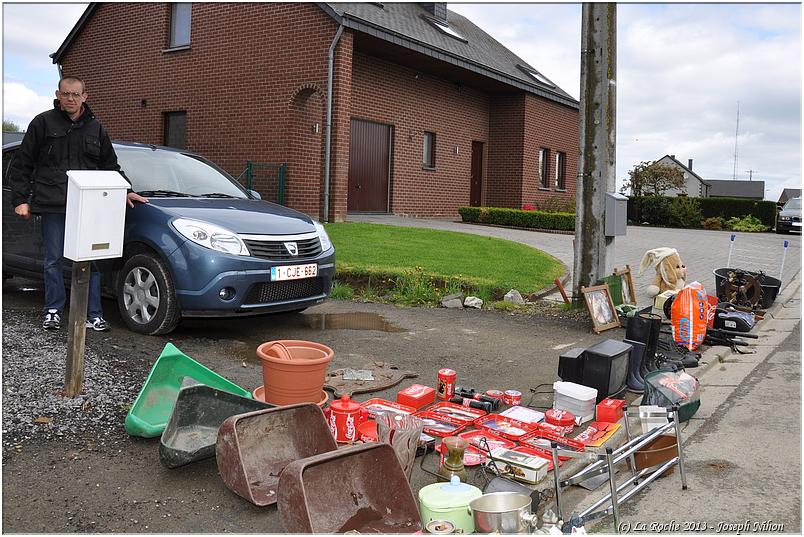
x=151 y=410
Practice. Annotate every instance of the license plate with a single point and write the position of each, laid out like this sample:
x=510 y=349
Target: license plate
x=797 y=224
x=294 y=272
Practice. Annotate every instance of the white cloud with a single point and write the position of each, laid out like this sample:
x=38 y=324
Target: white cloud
x=34 y=31
x=21 y=104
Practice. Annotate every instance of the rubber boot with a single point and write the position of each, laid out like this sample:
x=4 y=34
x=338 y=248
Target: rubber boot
x=635 y=382
x=645 y=329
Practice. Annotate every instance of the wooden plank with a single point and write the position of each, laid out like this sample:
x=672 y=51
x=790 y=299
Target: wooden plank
x=79 y=296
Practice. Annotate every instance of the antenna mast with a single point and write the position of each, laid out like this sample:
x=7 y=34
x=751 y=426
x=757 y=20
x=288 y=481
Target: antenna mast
x=736 y=137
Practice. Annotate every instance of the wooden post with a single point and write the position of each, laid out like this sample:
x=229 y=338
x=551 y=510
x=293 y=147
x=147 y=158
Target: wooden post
x=79 y=296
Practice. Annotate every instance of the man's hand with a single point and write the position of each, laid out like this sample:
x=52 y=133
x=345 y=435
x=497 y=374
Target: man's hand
x=24 y=210
x=132 y=197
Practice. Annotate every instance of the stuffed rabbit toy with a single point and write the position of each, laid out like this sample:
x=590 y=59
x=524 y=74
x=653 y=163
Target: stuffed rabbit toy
x=671 y=272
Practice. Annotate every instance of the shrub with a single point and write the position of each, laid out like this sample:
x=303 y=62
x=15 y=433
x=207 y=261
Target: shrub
x=714 y=223
x=727 y=208
x=685 y=212
x=517 y=218
x=655 y=210
x=747 y=223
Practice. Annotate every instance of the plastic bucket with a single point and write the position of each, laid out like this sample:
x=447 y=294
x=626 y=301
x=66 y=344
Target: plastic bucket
x=293 y=371
x=770 y=288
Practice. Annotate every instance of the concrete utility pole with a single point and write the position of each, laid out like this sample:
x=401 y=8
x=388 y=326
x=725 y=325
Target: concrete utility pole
x=594 y=252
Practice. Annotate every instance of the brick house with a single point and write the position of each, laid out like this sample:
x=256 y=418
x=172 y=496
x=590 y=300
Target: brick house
x=428 y=112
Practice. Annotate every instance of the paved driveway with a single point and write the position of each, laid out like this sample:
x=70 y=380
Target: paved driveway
x=702 y=250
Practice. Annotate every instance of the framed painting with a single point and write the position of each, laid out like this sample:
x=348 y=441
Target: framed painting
x=601 y=308
x=627 y=285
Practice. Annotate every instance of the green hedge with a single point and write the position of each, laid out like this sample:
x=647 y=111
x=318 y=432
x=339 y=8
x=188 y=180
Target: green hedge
x=675 y=211
x=518 y=218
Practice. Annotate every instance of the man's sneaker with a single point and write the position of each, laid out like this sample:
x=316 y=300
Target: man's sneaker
x=98 y=324
x=52 y=320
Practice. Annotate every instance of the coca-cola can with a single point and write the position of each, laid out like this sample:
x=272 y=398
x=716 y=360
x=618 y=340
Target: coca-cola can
x=497 y=394
x=512 y=397
x=445 y=389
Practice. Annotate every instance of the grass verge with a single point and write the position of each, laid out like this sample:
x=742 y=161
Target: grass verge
x=415 y=266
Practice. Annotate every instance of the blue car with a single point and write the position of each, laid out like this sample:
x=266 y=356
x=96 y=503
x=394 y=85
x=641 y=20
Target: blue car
x=203 y=247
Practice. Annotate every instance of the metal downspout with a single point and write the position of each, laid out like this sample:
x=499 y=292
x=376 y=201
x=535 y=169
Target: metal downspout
x=328 y=141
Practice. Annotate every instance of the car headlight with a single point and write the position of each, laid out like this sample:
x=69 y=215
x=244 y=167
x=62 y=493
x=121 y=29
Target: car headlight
x=785 y=218
x=326 y=244
x=211 y=236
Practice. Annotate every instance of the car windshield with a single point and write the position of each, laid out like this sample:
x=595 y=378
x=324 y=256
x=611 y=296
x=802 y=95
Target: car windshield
x=794 y=203
x=169 y=173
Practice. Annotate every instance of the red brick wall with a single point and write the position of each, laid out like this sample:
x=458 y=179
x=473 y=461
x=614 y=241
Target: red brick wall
x=251 y=91
x=506 y=151
x=392 y=94
x=555 y=127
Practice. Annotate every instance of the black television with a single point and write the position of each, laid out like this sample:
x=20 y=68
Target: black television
x=603 y=366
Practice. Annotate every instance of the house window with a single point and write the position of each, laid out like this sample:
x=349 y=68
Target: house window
x=544 y=168
x=536 y=75
x=561 y=171
x=428 y=160
x=180 y=16
x=444 y=27
x=176 y=129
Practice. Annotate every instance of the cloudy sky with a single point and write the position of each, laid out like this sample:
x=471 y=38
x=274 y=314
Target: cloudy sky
x=682 y=68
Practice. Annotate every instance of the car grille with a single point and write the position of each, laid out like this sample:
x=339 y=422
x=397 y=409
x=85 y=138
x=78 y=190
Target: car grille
x=266 y=292
x=275 y=250
x=796 y=219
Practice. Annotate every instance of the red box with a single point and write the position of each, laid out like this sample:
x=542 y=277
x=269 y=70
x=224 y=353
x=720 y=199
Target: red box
x=610 y=410
x=416 y=396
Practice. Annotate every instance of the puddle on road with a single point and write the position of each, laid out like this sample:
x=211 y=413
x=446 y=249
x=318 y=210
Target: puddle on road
x=350 y=321
x=245 y=335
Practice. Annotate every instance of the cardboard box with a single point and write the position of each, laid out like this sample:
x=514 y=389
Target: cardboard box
x=416 y=396
x=520 y=466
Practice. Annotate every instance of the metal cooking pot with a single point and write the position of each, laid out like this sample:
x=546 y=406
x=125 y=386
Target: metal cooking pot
x=503 y=512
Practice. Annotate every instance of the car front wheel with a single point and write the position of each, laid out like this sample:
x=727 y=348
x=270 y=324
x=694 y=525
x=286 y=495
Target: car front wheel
x=146 y=296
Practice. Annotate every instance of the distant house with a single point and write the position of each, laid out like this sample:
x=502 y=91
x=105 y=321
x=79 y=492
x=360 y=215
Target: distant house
x=725 y=188
x=428 y=112
x=788 y=193
x=694 y=185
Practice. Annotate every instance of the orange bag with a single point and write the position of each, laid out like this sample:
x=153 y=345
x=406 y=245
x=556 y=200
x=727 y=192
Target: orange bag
x=689 y=315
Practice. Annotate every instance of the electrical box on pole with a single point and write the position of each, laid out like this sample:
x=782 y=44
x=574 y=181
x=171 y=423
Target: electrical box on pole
x=596 y=181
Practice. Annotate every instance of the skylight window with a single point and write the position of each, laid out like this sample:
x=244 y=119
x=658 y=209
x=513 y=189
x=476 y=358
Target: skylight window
x=444 y=27
x=536 y=75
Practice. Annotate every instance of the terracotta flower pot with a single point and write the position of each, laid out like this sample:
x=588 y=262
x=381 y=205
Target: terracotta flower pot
x=293 y=371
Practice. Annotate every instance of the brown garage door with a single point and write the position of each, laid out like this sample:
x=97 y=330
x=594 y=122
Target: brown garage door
x=369 y=169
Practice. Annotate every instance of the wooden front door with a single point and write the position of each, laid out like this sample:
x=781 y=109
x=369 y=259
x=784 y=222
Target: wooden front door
x=369 y=167
x=476 y=191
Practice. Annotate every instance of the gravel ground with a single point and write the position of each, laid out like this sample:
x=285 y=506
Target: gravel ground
x=33 y=377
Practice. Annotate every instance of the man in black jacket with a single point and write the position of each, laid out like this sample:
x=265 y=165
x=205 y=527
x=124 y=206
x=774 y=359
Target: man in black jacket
x=65 y=138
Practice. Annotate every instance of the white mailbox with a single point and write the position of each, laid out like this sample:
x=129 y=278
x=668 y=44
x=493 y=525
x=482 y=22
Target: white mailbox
x=96 y=215
x=616 y=214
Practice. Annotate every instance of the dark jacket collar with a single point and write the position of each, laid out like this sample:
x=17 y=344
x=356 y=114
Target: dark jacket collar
x=86 y=115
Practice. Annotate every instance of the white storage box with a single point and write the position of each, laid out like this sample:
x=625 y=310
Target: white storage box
x=575 y=398
x=96 y=215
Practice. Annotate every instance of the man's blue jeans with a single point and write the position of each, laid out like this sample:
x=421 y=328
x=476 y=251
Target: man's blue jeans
x=55 y=295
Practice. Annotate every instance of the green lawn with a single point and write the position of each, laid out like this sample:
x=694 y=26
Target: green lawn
x=483 y=263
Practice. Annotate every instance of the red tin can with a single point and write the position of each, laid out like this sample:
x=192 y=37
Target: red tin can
x=497 y=394
x=445 y=389
x=512 y=397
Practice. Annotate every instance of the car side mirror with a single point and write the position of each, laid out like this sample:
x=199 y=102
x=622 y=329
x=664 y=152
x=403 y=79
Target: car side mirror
x=254 y=194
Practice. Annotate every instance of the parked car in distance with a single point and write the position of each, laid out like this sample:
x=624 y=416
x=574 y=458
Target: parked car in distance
x=789 y=218
x=203 y=247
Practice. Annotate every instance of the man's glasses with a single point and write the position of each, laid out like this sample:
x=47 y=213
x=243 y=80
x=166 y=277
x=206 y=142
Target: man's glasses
x=67 y=94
